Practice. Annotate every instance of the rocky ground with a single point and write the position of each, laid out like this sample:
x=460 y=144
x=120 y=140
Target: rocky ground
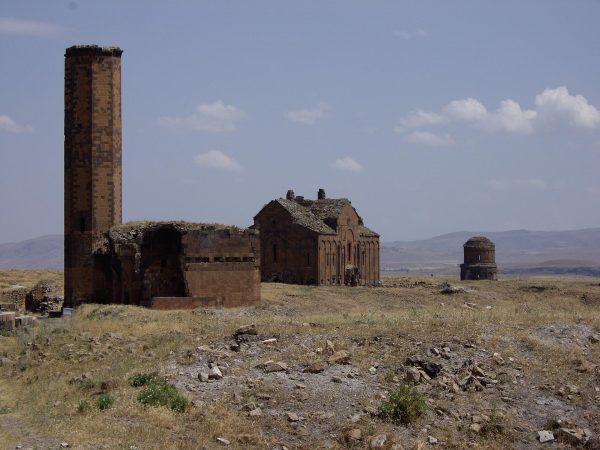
x=512 y=364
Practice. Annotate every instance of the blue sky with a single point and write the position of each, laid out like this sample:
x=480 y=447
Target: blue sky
x=431 y=116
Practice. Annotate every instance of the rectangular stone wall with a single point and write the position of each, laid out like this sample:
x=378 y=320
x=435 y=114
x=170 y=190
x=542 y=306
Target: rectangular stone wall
x=289 y=252
x=232 y=284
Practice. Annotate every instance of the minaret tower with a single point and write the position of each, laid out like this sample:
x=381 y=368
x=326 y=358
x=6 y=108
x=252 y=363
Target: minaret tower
x=92 y=162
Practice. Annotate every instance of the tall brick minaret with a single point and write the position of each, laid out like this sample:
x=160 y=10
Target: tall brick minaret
x=92 y=163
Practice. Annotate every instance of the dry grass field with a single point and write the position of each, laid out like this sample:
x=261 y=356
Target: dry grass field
x=504 y=360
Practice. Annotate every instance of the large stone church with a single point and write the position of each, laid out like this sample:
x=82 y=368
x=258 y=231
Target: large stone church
x=321 y=241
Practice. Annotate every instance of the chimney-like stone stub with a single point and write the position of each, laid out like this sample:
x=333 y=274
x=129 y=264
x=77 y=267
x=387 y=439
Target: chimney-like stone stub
x=290 y=195
x=321 y=194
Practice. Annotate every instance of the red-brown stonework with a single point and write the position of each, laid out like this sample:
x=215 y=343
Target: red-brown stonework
x=92 y=161
x=480 y=260
x=321 y=241
x=166 y=265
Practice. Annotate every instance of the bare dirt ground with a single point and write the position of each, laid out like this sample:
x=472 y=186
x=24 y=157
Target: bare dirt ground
x=495 y=363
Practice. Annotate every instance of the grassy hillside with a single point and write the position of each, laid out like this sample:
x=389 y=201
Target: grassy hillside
x=509 y=357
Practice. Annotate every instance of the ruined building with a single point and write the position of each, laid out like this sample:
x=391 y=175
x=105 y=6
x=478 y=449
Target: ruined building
x=158 y=264
x=321 y=241
x=480 y=260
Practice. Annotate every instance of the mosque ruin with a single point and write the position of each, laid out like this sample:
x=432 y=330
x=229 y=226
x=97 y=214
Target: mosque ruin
x=157 y=264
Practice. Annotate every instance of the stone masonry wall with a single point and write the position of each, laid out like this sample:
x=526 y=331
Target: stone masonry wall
x=92 y=162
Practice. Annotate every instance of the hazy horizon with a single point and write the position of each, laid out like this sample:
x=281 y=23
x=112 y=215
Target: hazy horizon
x=429 y=117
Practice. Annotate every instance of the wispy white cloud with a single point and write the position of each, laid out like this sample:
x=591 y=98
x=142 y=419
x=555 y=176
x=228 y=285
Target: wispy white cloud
x=216 y=117
x=347 y=164
x=216 y=159
x=553 y=107
x=409 y=35
x=530 y=183
x=309 y=116
x=419 y=119
x=9 y=25
x=10 y=125
x=428 y=138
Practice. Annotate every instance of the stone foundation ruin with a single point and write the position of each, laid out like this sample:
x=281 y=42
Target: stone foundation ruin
x=167 y=265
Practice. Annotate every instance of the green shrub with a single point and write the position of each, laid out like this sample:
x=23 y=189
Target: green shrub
x=163 y=394
x=104 y=401
x=84 y=406
x=145 y=379
x=5 y=409
x=404 y=405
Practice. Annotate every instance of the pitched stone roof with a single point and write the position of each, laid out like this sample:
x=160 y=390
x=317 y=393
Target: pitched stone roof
x=367 y=232
x=327 y=209
x=303 y=216
x=321 y=215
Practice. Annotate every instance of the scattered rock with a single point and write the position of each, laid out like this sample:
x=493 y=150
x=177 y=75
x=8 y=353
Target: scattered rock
x=340 y=357
x=432 y=369
x=272 y=366
x=498 y=359
x=354 y=435
x=545 y=436
x=372 y=370
x=432 y=440
x=447 y=288
x=595 y=338
x=64 y=445
x=316 y=367
x=203 y=376
x=246 y=329
x=292 y=417
x=475 y=427
x=269 y=341
x=378 y=441
x=256 y=412
x=413 y=375
x=214 y=373
x=223 y=441
x=574 y=436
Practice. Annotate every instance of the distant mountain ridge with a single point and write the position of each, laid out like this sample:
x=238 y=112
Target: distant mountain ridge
x=517 y=252
x=44 y=252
